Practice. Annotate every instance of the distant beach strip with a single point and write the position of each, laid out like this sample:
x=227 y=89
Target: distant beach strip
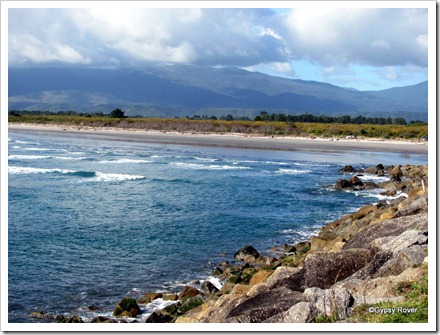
x=230 y=140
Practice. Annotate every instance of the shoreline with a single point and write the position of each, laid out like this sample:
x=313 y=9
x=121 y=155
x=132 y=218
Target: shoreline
x=230 y=140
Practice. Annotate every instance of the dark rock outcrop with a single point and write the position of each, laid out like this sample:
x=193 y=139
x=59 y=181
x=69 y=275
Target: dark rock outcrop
x=127 y=307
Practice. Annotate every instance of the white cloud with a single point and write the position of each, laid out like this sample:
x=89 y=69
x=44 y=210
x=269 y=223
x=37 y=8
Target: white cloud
x=258 y=38
x=379 y=37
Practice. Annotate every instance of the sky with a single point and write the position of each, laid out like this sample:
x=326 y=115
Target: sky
x=360 y=48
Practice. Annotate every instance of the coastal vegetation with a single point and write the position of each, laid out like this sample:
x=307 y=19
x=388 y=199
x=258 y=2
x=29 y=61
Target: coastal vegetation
x=339 y=128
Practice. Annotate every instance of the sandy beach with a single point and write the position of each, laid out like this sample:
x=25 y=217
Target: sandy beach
x=230 y=140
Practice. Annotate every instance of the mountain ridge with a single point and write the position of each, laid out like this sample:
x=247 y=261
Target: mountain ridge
x=179 y=90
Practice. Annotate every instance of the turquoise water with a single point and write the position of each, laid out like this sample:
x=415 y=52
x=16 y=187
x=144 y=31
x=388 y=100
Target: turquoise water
x=93 y=221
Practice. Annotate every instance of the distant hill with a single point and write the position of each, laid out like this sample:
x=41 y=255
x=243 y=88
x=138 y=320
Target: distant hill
x=178 y=90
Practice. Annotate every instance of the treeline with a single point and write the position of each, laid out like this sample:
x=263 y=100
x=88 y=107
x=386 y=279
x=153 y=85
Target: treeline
x=263 y=116
x=344 y=119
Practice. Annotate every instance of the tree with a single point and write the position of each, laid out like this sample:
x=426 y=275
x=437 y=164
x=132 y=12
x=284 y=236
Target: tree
x=117 y=113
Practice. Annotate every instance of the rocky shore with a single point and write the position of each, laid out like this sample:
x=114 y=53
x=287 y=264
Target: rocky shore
x=354 y=263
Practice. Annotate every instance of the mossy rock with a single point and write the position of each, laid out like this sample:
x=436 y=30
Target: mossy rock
x=127 y=305
x=189 y=304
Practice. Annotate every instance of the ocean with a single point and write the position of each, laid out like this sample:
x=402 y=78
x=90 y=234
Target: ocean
x=92 y=221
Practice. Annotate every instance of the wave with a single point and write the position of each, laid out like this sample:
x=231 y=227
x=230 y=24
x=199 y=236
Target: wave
x=204 y=159
x=372 y=177
x=94 y=176
x=128 y=161
x=292 y=171
x=36 y=149
x=100 y=176
x=31 y=157
x=31 y=170
x=208 y=167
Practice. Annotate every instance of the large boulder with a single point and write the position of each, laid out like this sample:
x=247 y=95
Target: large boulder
x=149 y=297
x=391 y=227
x=127 y=307
x=302 y=312
x=323 y=269
x=247 y=254
x=188 y=291
x=265 y=305
x=330 y=301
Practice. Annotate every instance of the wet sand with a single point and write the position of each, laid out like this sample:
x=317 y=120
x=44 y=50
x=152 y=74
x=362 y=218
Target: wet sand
x=229 y=140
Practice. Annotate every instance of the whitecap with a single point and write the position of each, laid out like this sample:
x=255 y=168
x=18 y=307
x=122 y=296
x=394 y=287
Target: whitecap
x=204 y=159
x=28 y=157
x=101 y=176
x=36 y=149
x=373 y=177
x=208 y=167
x=127 y=161
x=30 y=170
x=292 y=171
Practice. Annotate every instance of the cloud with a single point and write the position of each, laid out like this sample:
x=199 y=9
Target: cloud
x=130 y=36
x=119 y=36
x=338 y=36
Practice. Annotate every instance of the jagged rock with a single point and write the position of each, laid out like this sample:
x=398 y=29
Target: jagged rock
x=330 y=301
x=73 y=319
x=217 y=311
x=411 y=206
x=260 y=277
x=188 y=291
x=169 y=296
x=347 y=168
x=149 y=297
x=189 y=304
x=404 y=259
x=373 y=291
x=127 y=305
x=343 y=184
x=368 y=271
x=302 y=312
x=392 y=227
x=103 y=319
x=93 y=308
x=208 y=288
x=400 y=242
x=266 y=304
x=396 y=173
x=247 y=254
x=49 y=316
x=356 y=181
x=158 y=317
x=323 y=269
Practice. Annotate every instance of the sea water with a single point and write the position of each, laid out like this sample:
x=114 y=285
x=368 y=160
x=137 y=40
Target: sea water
x=90 y=222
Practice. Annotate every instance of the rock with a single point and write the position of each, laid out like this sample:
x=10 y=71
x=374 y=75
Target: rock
x=169 y=296
x=392 y=227
x=323 y=269
x=158 y=317
x=356 y=181
x=103 y=319
x=208 y=288
x=342 y=184
x=400 y=242
x=302 y=312
x=368 y=271
x=247 y=254
x=373 y=291
x=93 y=308
x=288 y=248
x=404 y=259
x=396 y=173
x=347 y=168
x=411 y=206
x=260 y=277
x=292 y=279
x=188 y=291
x=73 y=319
x=149 y=297
x=265 y=305
x=128 y=305
x=189 y=304
x=330 y=301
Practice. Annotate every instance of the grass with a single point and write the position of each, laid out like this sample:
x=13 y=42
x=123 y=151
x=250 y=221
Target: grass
x=413 y=309
x=326 y=130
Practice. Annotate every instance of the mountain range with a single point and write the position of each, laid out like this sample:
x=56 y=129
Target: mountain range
x=181 y=90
